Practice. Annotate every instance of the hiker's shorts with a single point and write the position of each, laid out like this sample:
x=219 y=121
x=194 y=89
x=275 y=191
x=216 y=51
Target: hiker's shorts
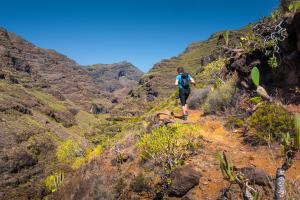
x=184 y=95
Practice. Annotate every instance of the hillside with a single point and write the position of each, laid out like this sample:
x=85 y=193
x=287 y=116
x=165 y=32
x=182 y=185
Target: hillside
x=49 y=114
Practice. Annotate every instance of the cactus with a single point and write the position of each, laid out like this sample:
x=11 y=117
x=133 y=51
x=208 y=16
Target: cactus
x=226 y=167
x=226 y=37
x=53 y=182
x=255 y=76
x=286 y=141
x=297 y=134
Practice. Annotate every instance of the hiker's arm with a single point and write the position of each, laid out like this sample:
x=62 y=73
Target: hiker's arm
x=176 y=82
x=193 y=81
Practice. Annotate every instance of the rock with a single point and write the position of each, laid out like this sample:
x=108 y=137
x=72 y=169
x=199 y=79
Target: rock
x=257 y=176
x=66 y=118
x=189 y=196
x=57 y=95
x=183 y=179
x=199 y=70
x=97 y=109
x=21 y=160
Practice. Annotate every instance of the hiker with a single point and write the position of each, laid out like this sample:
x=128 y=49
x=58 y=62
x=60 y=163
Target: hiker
x=183 y=81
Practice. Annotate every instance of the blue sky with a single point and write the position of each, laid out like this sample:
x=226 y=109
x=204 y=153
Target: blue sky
x=140 y=31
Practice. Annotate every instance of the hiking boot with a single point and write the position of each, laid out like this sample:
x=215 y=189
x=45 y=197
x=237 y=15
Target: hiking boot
x=185 y=117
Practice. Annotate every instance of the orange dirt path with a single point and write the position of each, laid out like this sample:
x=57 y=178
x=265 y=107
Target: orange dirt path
x=218 y=139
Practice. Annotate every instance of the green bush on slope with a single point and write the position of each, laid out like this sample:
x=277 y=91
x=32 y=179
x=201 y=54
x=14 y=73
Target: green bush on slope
x=221 y=98
x=67 y=150
x=210 y=73
x=270 y=122
x=52 y=182
x=168 y=146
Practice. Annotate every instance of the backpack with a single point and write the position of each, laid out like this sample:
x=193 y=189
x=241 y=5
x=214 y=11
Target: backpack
x=185 y=81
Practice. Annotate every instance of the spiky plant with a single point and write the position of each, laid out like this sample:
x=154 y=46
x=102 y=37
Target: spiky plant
x=297 y=133
x=226 y=167
x=226 y=37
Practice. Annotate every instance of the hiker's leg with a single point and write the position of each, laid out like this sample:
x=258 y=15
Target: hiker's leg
x=187 y=94
x=186 y=109
x=182 y=100
x=183 y=110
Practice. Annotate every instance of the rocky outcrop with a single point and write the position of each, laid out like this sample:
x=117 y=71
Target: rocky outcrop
x=257 y=176
x=183 y=179
x=118 y=78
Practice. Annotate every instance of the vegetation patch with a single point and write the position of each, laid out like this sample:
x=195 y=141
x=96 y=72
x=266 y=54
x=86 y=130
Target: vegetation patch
x=52 y=182
x=233 y=122
x=140 y=183
x=270 y=122
x=67 y=150
x=210 y=73
x=221 y=98
x=48 y=100
x=168 y=147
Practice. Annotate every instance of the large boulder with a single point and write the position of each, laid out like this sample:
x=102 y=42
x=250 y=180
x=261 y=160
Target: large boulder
x=183 y=179
x=257 y=176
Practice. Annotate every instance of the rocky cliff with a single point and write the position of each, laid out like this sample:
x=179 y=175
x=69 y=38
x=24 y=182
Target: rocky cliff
x=118 y=78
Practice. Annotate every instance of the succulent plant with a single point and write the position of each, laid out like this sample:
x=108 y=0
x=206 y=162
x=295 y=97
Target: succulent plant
x=255 y=76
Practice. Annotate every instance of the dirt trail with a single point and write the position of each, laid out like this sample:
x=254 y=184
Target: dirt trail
x=218 y=139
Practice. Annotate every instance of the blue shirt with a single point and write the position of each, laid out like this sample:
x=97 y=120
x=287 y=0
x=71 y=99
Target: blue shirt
x=179 y=78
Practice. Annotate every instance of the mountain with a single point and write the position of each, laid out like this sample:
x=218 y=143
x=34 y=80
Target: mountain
x=51 y=111
x=118 y=78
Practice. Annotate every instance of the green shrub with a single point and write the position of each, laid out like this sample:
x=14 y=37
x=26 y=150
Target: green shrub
x=53 y=181
x=140 y=183
x=168 y=146
x=210 y=72
x=198 y=97
x=78 y=162
x=67 y=150
x=270 y=122
x=234 y=122
x=222 y=97
x=255 y=100
x=165 y=146
x=250 y=42
x=294 y=6
x=272 y=62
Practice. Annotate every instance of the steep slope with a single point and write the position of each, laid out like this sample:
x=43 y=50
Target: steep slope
x=47 y=121
x=48 y=69
x=118 y=78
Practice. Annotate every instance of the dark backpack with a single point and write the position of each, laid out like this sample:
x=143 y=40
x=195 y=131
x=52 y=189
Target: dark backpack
x=185 y=81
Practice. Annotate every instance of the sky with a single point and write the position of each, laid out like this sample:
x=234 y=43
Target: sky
x=142 y=32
